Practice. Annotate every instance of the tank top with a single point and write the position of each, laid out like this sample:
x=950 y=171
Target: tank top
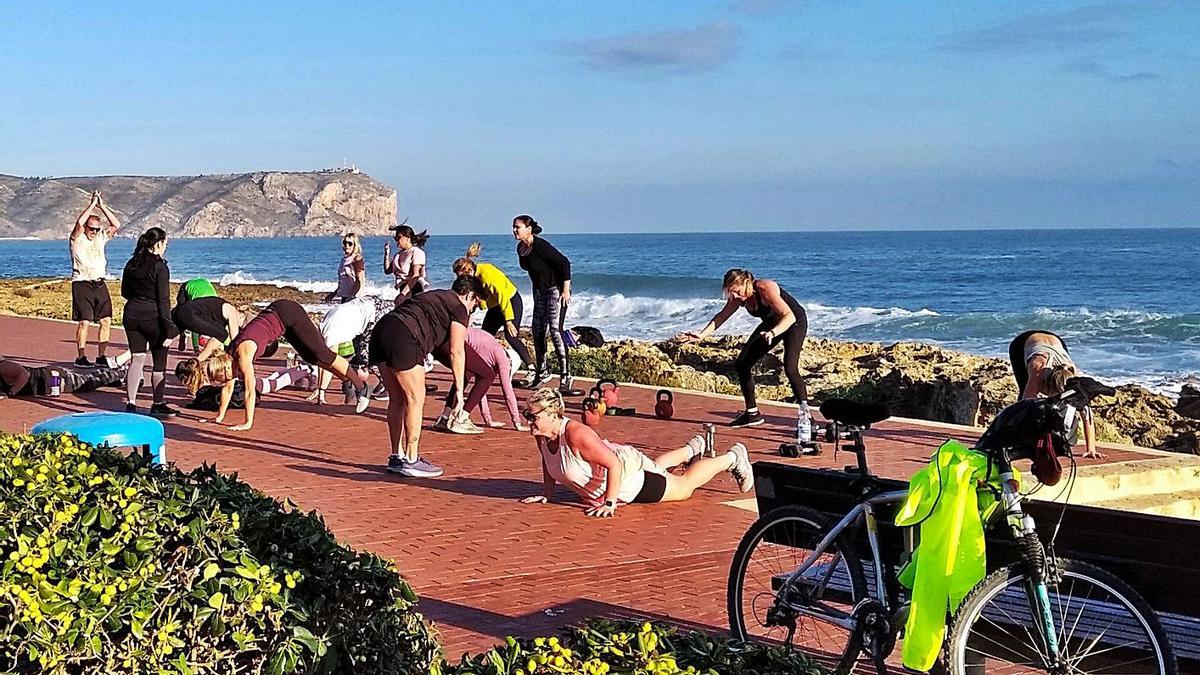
x=567 y=467
x=262 y=329
x=348 y=275
x=87 y=257
x=763 y=311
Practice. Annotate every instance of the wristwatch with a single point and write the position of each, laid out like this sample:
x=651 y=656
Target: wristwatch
x=610 y=503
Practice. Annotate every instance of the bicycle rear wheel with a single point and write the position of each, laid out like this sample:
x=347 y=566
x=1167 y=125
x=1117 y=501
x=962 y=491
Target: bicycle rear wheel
x=1102 y=626
x=761 y=604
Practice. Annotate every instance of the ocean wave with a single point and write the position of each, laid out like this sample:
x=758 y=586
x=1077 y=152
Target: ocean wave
x=238 y=277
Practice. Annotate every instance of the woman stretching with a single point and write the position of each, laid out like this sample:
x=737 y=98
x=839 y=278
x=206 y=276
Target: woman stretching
x=1042 y=366
x=398 y=345
x=783 y=320
x=500 y=298
x=486 y=362
x=209 y=316
x=281 y=319
x=352 y=272
x=550 y=274
x=146 y=287
x=193 y=289
x=408 y=265
x=605 y=474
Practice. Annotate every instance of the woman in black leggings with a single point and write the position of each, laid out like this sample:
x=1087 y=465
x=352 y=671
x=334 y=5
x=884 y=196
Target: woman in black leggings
x=146 y=287
x=550 y=274
x=783 y=320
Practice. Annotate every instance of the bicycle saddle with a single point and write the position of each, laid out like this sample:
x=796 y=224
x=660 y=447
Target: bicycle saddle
x=854 y=414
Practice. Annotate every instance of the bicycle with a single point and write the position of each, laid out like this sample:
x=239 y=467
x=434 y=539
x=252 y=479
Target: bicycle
x=796 y=570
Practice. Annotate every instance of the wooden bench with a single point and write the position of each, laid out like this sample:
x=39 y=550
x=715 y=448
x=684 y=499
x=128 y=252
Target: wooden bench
x=1151 y=553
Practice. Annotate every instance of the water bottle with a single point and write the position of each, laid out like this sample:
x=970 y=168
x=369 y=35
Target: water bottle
x=803 y=425
x=55 y=383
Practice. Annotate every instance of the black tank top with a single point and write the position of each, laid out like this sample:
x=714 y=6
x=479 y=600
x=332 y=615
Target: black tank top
x=764 y=312
x=203 y=316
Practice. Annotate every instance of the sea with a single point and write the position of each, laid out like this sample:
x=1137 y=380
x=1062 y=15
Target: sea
x=1125 y=301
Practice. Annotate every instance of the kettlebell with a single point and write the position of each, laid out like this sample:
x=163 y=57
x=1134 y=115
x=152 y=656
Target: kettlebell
x=591 y=415
x=596 y=395
x=612 y=395
x=664 y=408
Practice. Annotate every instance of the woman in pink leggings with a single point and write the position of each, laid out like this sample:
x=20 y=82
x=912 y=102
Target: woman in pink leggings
x=486 y=360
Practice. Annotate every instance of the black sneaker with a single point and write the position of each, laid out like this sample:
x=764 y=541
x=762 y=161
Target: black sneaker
x=82 y=362
x=397 y=464
x=536 y=379
x=747 y=419
x=163 y=410
x=379 y=393
x=130 y=408
x=104 y=362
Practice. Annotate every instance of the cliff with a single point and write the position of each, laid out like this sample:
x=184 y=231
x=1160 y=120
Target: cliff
x=264 y=204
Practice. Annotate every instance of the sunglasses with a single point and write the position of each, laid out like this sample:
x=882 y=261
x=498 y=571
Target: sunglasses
x=531 y=415
x=93 y=229
x=347 y=243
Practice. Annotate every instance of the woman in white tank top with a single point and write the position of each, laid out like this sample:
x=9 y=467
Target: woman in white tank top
x=1042 y=365
x=605 y=474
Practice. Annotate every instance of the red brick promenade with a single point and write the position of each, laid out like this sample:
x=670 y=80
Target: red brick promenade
x=485 y=565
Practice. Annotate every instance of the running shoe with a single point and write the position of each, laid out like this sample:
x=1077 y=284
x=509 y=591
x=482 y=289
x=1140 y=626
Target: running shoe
x=747 y=419
x=380 y=392
x=535 y=379
x=423 y=468
x=163 y=410
x=82 y=362
x=364 y=400
x=741 y=470
x=104 y=362
x=698 y=444
x=130 y=408
x=463 y=425
x=440 y=424
x=396 y=464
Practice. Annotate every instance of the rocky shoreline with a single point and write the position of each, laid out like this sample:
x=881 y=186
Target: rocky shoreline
x=916 y=380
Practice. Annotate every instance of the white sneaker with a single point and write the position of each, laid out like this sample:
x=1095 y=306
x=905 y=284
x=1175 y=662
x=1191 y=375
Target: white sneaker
x=463 y=425
x=741 y=470
x=698 y=444
x=364 y=400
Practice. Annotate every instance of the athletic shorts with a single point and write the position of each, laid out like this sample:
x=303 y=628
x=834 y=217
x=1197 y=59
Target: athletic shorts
x=90 y=301
x=654 y=486
x=392 y=344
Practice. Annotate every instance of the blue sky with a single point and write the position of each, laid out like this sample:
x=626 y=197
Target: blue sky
x=635 y=116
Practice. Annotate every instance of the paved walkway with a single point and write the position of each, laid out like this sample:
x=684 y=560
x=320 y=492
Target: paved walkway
x=485 y=565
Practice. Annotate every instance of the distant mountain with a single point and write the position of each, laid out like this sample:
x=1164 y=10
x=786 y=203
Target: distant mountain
x=264 y=204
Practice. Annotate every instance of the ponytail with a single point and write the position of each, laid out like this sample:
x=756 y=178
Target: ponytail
x=418 y=239
x=149 y=239
x=465 y=266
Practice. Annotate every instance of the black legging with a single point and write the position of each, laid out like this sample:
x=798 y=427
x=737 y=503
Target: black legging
x=494 y=321
x=756 y=348
x=1016 y=356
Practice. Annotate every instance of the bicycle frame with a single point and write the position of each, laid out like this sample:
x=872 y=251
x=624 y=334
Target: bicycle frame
x=865 y=510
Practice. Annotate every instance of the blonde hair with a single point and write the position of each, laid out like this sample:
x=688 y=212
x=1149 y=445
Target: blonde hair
x=216 y=369
x=353 y=237
x=736 y=277
x=549 y=400
x=464 y=265
x=1054 y=380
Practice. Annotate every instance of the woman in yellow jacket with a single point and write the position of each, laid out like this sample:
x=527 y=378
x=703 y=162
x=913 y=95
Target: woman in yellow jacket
x=500 y=298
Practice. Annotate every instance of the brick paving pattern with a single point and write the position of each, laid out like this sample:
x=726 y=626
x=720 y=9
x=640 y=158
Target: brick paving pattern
x=485 y=565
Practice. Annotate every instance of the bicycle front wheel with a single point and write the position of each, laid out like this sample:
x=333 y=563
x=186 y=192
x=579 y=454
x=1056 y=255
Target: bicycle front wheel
x=1101 y=626
x=763 y=604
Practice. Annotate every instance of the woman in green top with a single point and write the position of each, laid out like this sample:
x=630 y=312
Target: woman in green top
x=500 y=298
x=188 y=291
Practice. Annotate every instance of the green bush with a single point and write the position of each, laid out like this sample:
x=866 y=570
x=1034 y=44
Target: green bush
x=113 y=566
x=598 y=364
x=606 y=647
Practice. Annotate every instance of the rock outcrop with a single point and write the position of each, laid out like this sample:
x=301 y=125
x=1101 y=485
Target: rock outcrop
x=272 y=204
x=915 y=380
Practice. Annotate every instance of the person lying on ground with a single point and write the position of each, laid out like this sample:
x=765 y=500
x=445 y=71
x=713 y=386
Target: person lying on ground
x=19 y=380
x=606 y=474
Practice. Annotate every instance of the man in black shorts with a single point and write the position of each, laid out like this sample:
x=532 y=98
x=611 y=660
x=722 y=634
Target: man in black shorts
x=90 y=302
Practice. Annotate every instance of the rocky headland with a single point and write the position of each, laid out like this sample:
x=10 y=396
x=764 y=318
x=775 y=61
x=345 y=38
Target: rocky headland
x=261 y=204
